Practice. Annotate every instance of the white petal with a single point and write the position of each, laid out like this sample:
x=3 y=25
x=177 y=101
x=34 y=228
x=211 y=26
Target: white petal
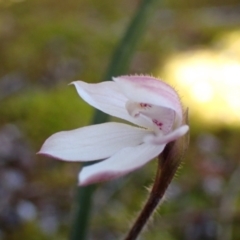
x=104 y=96
x=107 y=97
x=123 y=162
x=146 y=89
x=164 y=139
x=92 y=142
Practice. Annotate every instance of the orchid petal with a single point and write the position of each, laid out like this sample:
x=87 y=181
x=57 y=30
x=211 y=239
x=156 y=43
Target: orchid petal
x=107 y=97
x=146 y=89
x=121 y=163
x=92 y=142
x=164 y=139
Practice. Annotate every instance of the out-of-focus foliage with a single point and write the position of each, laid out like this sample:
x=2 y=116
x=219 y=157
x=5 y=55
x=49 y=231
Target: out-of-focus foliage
x=46 y=44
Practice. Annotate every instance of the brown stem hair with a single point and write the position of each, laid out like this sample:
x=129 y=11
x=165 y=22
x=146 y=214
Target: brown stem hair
x=168 y=163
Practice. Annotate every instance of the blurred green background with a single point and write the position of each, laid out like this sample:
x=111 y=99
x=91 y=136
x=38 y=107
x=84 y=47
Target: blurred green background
x=46 y=44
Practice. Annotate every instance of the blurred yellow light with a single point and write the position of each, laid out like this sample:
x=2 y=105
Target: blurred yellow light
x=202 y=91
x=209 y=80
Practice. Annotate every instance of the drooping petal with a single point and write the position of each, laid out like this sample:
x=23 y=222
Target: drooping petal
x=121 y=163
x=164 y=139
x=149 y=90
x=92 y=142
x=107 y=97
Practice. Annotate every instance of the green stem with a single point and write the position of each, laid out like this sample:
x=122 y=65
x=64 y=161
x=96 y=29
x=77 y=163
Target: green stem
x=123 y=54
x=118 y=65
x=82 y=208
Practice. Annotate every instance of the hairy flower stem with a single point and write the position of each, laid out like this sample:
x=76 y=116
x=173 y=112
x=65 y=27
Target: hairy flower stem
x=168 y=163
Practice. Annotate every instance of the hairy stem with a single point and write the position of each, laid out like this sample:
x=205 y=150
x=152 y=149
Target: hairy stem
x=159 y=188
x=168 y=163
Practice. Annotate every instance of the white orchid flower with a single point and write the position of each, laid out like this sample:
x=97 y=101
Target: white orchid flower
x=150 y=104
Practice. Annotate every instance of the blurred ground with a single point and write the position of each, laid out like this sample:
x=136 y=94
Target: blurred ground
x=44 y=45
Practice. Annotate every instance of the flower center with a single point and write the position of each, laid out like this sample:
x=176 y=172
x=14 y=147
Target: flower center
x=159 y=124
x=162 y=118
